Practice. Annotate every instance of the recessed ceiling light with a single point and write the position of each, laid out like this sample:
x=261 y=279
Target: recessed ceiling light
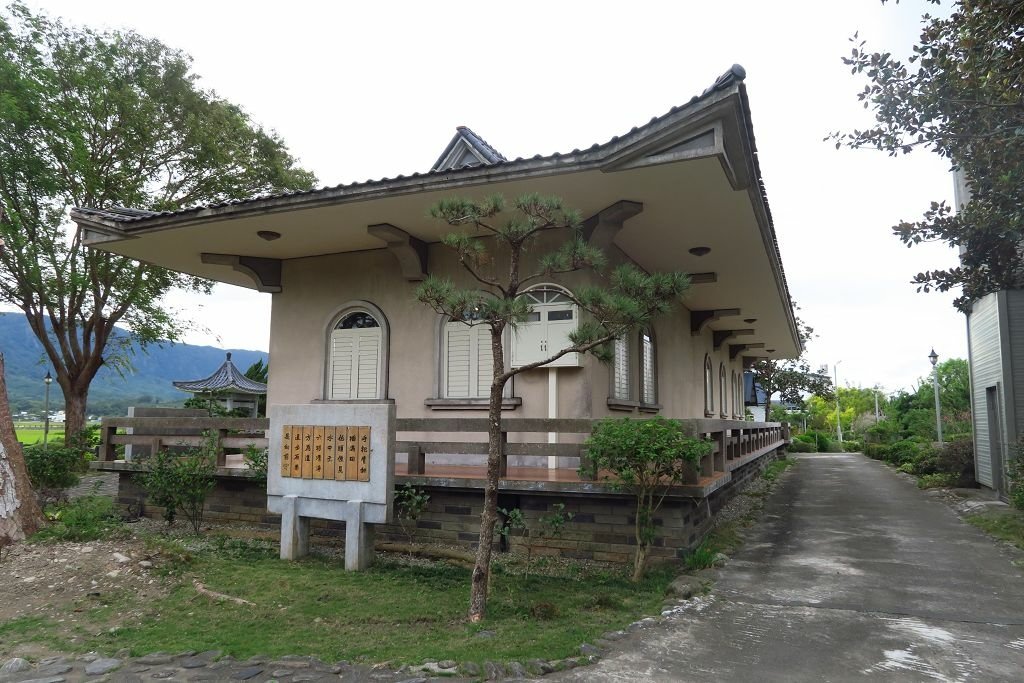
x=750 y=320
x=268 y=235
x=700 y=251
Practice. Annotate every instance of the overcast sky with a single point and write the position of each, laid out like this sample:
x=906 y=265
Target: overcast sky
x=375 y=89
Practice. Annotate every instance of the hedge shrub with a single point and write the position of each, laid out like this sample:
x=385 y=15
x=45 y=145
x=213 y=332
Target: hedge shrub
x=878 y=451
x=54 y=467
x=957 y=460
x=799 y=446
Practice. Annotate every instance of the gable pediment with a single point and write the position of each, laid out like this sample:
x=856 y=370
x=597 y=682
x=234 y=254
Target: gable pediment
x=466 y=149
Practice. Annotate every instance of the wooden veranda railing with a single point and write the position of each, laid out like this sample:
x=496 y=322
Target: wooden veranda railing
x=455 y=448
x=163 y=432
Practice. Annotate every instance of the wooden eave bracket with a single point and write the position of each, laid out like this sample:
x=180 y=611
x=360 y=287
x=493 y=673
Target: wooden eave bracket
x=720 y=336
x=700 y=319
x=737 y=349
x=601 y=228
x=265 y=272
x=410 y=252
x=748 y=361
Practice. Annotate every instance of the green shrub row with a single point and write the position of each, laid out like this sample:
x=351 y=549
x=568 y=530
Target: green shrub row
x=799 y=446
x=1015 y=475
x=813 y=441
x=953 y=463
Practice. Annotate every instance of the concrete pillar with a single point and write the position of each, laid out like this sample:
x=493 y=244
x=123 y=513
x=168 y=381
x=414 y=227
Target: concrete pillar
x=294 y=531
x=358 y=538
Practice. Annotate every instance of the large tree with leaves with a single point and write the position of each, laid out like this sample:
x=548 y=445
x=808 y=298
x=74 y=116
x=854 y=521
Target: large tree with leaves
x=791 y=379
x=960 y=94
x=500 y=254
x=105 y=119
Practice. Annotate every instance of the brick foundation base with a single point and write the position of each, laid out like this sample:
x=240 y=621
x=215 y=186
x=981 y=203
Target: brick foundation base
x=602 y=527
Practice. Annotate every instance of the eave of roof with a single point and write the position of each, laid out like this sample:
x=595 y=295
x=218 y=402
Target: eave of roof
x=135 y=219
x=119 y=223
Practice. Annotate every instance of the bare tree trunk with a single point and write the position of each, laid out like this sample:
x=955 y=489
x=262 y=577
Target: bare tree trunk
x=74 y=413
x=20 y=515
x=482 y=568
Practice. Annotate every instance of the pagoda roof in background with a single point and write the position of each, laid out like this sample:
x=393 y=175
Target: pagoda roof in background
x=227 y=378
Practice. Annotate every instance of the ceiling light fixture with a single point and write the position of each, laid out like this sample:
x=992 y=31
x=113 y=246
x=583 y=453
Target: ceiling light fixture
x=750 y=320
x=268 y=235
x=700 y=251
x=770 y=350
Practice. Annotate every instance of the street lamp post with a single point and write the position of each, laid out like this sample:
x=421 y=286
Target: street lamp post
x=46 y=410
x=839 y=422
x=934 y=358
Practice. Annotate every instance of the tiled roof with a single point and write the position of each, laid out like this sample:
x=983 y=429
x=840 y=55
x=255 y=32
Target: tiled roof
x=734 y=75
x=227 y=378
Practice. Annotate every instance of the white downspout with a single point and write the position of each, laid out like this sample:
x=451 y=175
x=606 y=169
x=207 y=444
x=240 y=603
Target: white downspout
x=552 y=412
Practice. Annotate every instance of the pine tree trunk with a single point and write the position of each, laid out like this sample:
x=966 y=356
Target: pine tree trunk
x=482 y=568
x=20 y=515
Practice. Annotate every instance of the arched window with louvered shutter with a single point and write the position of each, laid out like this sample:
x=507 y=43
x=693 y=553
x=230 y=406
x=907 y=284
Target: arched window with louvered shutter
x=621 y=386
x=723 y=394
x=709 y=387
x=648 y=368
x=357 y=355
x=467 y=360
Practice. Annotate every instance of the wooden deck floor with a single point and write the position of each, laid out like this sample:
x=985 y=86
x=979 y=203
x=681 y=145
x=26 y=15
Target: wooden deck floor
x=561 y=480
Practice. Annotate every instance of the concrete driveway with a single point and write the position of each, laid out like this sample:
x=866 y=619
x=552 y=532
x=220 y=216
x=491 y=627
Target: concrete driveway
x=853 y=574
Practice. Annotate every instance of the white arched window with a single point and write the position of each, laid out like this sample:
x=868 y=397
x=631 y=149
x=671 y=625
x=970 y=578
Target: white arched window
x=723 y=394
x=620 y=369
x=709 y=387
x=356 y=356
x=553 y=316
x=737 y=393
x=634 y=372
x=648 y=368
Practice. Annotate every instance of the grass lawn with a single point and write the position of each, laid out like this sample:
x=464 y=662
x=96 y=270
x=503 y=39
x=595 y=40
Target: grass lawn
x=1005 y=524
x=401 y=610
x=33 y=432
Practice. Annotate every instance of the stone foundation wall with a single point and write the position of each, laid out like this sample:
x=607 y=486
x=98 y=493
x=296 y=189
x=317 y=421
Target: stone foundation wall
x=602 y=527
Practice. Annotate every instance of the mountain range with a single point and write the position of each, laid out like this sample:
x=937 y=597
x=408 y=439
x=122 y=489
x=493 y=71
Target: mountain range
x=148 y=381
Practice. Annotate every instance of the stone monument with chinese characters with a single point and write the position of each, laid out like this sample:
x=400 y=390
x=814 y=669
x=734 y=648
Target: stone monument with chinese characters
x=332 y=461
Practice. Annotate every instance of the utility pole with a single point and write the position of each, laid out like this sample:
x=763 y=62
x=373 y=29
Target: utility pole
x=46 y=409
x=839 y=422
x=934 y=358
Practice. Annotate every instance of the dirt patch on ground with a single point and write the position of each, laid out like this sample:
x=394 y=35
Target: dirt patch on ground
x=59 y=581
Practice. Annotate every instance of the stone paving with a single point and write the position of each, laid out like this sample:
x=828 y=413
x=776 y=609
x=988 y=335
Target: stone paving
x=852 y=574
x=206 y=666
